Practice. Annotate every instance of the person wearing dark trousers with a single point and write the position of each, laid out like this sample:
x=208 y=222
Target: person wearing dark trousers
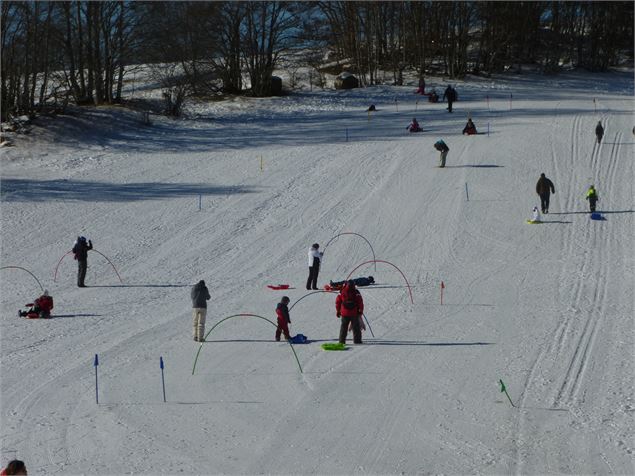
x=80 y=250
x=544 y=187
x=349 y=307
x=450 y=95
x=284 y=319
x=315 y=257
x=592 y=197
x=599 y=131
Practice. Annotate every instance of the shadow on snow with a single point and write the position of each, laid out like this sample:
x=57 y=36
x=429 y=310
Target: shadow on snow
x=23 y=190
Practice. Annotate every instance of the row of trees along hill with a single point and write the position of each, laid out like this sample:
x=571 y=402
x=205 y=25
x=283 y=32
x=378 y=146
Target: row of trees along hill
x=82 y=52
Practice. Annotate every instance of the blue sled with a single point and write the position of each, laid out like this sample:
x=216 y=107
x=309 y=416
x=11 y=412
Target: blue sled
x=597 y=216
x=299 y=339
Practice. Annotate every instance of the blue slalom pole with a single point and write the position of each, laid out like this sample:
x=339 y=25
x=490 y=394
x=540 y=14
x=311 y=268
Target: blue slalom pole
x=488 y=129
x=200 y=198
x=162 y=378
x=96 y=381
x=347 y=134
x=467 y=194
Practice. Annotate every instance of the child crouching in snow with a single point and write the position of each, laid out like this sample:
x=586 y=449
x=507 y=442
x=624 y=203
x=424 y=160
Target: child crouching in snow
x=283 y=318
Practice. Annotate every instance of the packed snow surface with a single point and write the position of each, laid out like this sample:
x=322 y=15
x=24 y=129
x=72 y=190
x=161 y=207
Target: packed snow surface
x=546 y=308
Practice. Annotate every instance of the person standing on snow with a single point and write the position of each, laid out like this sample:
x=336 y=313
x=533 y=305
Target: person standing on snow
x=544 y=187
x=315 y=258
x=450 y=94
x=200 y=296
x=444 y=149
x=284 y=319
x=81 y=249
x=592 y=197
x=349 y=307
x=599 y=131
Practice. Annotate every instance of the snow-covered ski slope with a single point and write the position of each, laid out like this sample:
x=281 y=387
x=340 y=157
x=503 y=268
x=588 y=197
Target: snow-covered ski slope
x=546 y=308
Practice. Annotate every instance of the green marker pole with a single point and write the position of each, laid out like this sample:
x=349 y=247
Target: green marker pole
x=504 y=390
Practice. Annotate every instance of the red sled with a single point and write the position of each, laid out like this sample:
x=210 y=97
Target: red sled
x=328 y=287
x=279 y=286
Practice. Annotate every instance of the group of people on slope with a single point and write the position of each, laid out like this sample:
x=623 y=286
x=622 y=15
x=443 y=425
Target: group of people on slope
x=349 y=308
x=544 y=189
x=42 y=306
x=449 y=94
x=432 y=96
x=349 y=305
x=469 y=129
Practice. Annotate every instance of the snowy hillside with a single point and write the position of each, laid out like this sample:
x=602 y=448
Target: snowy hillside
x=547 y=308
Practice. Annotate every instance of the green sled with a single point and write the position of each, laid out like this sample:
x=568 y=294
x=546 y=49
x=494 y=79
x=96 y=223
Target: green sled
x=334 y=346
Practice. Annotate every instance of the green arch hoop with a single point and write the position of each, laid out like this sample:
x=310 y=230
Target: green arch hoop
x=240 y=315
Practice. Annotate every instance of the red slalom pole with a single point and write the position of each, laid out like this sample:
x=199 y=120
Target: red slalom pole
x=442 y=288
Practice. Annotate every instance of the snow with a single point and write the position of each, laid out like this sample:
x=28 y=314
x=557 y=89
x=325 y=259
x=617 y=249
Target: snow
x=546 y=308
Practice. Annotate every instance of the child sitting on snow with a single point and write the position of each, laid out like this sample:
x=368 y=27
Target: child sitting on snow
x=414 y=126
x=470 y=128
x=40 y=308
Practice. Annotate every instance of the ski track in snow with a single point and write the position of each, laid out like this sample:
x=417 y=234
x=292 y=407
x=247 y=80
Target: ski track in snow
x=548 y=308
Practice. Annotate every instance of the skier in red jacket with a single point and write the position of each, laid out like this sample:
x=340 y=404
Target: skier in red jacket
x=350 y=307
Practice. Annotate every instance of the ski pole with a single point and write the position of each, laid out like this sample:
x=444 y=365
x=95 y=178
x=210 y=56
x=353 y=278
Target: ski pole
x=96 y=363
x=162 y=377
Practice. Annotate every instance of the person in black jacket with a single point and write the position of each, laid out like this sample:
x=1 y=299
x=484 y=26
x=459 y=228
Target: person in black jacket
x=599 y=131
x=544 y=187
x=450 y=95
x=200 y=296
x=81 y=249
